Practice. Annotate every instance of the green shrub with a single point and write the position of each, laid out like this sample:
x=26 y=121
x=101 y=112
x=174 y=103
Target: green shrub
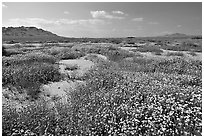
x=185 y=46
x=131 y=43
x=112 y=52
x=29 y=71
x=141 y=104
x=138 y=64
x=175 y=54
x=118 y=103
x=94 y=58
x=116 y=41
x=71 y=67
x=10 y=52
x=57 y=50
x=30 y=77
x=153 y=49
x=142 y=60
x=28 y=59
x=180 y=66
x=4 y=52
x=158 y=53
x=113 y=48
x=118 y=55
x=36 y=119
x=17 y=46
x=70 y=55
x=121 y=97
x=175 y=65
x=192 y=53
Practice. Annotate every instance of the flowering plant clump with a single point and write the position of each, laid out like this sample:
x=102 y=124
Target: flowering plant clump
x=28 y=59
x=139 y=104
x=32 y=120
x=29 y=71
x=158 y=98
x=175 y=65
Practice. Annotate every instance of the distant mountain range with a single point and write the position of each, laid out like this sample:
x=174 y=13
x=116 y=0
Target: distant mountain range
x=33 y=34
x=177 y=35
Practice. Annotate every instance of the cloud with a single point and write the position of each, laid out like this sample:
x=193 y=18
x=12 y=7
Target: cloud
x=154 y=23
x=104 y=14
x=4 y=6
x=81 y=21
x=179 y=26
x=40 y=22
x=66 y=12
x=138 y=19
x=118 y=12
x=97 y=14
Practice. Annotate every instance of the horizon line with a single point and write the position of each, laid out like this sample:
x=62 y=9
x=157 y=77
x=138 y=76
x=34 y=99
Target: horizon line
x=162 y=35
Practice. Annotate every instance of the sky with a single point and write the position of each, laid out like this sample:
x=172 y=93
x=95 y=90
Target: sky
x=106 y=19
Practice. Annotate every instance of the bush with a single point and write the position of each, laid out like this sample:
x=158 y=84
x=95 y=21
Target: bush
x=169 y=66
x=28 y=59
x=30 y=77
x=57 y=50
x=36 y=119
x=112 y=52
x=154 y=49
x=180 y=66
x=94 y=58
x=197 y=37
x=29 y=72
x=70 y=55
x=175 y=54
x=10 y=52
x=131 y=43
x=158 y=53
x=152 y=104
x=71 y=67
x=118 y=55
x=185 y=46
x=138 y=64
x=118 y=103
x=192 y=53
x=116 y=41
x=4 y=52
x=17 y=46
x=113 y=48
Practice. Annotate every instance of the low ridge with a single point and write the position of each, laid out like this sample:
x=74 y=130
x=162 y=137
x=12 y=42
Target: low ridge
x=27 y=34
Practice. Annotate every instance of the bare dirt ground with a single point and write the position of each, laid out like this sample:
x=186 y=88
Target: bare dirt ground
x=82 y=66
x=128 y=48
x=62 y=89
x=54 y=90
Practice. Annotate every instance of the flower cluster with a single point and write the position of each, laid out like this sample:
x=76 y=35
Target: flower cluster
x=164 y=100
x=139 y=104
x=29 y=71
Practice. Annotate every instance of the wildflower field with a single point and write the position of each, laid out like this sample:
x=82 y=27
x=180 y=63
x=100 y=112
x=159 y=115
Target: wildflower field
x=138 y=97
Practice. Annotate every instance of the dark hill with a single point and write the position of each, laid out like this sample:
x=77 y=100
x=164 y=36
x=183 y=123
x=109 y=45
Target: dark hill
x=177 y=35
x=28 y=34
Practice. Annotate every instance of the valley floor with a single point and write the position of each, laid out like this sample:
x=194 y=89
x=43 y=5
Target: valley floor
x=101 y=89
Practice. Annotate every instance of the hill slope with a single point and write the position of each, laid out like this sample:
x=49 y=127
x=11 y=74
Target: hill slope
x=176 y=35
x=21 y=34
